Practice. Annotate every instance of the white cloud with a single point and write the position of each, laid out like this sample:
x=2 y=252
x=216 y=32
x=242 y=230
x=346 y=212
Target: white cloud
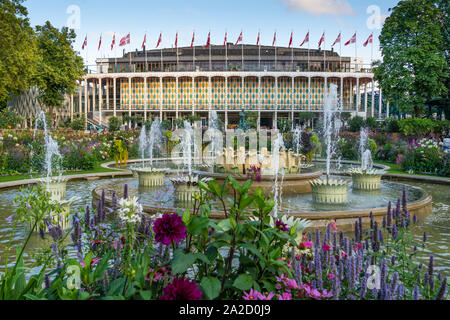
x=333 y=7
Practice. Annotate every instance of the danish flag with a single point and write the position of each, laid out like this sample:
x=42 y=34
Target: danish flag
x=239 y=39
x=338 y=40
x=113 y=41
x=100 y=43
x=84 y=43
x=274 y=38
x=290 y=41
x=352 y=40
x=176 y=40
x=369 y=40
x=208 y=42
x=225 y=41
x=322 y=39
x=145 y=41
x=257 y=40
x=193 y=39
x=159 y=40
x=125 y=40
x=306 y=39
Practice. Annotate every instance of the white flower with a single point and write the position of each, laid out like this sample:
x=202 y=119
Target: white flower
x=130 y=210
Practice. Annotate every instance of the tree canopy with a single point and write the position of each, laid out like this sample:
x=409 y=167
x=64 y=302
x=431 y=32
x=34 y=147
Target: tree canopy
x=18 y=49
x=43 y=57
x=414 y=69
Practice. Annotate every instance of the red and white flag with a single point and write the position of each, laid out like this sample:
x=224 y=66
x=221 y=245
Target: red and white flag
x=176 y=40
x=145 y=41
x=193 y=39
x=306 y=39
x=290 y=41
x=257 y=40
x=125 y=40
x=352 y=40
x=208 y=42
x=225 y=41
x=369 y=40
x=274 y=39
x=239 y=39
x=159 y=40
x=113 y=41
x=322 y=39
x=338 y=40
x=100 y=42
x=84 y=43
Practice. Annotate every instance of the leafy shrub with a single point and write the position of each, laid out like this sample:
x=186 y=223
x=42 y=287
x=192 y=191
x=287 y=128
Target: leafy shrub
x=9 y=119
x=79 y=124
x=424 y=156
x=416 y=127
x=114 y=124
x=390 y=125
x=371 y=123
x=355 y=124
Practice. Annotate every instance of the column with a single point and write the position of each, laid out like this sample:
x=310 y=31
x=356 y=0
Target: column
x=380 y=104
x=342 y=92
x=94 y=93
x=259 y=104
x=80 y=99
x=86 y=98
x=226 y=103
x=351 y=94
x=209 y=94
x=325 y=88
x=160 y=98
x=100 y=101
x=357 y=95
x=309 y=93
x=108 y=81
x=176 y=97
x=292 y=102
x=365 y=100
x=71 y=108
x=114 y=97
x=373 y=96
x=243 y=91
x=145 y=99
x=194 y=94
x=387 y=110
x=275 y=124
x=129 y=101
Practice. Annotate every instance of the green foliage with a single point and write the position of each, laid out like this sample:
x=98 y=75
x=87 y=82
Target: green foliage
x=9 y=119
x=355 y=124
x=305 y=116
x=416 y=127
x=284 y=125
x=18 y=54
x=414 y=69
x=390 y=125
x=78 y=124
x=59 y=66
x=114 y=124
x=371 y=123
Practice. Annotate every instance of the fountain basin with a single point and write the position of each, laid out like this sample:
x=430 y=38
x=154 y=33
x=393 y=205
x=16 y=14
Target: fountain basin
x=55 y=186
x=359 y=203
x=329 y=191
x=292 y=183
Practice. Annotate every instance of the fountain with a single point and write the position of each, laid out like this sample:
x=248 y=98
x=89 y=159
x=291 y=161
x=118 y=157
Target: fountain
x=330 y=191
x=187 y=186
x=149 y=176
x=55 y=185
x=365 y=178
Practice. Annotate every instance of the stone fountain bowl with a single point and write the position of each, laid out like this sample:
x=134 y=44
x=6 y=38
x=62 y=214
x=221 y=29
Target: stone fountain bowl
x=366 y=180
x=330 y=191
x=150 y=177
x=56 y=186
x=186 y=187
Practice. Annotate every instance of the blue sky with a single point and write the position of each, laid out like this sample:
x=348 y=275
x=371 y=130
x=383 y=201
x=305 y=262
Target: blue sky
x=169 y=16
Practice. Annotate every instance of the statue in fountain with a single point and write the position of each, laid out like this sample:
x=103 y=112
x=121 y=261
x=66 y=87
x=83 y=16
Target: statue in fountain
x=243 y=120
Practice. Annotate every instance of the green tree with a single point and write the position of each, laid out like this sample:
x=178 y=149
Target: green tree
x=59 y=66
x=414 y=69
x=17 y=50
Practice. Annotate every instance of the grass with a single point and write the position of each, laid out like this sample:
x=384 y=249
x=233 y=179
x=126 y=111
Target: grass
x=97 y=169
x=397 y=169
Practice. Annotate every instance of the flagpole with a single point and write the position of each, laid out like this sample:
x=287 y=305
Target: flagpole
x=130 y=50
x=324 y=59
x=162 y=62
x=340 y=52
x=292 y=60
x=176 y=40
x=308 y=53
x=209 y=45
x=145 y=49
x=226 y=50
x=356 y=55
x=275 y=50
x=259 y=50
x=242 y=52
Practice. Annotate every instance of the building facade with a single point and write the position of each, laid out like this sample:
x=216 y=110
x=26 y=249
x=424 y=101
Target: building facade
x=275 y=82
